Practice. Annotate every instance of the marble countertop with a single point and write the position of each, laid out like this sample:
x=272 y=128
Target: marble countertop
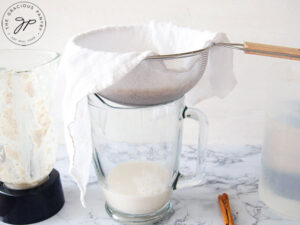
x=233 y=170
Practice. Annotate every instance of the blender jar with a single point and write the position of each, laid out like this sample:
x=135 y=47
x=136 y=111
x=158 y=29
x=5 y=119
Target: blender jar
x=136 y=156
x=27 y=131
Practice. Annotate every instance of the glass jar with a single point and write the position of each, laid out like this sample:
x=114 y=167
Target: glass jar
x=279 y=185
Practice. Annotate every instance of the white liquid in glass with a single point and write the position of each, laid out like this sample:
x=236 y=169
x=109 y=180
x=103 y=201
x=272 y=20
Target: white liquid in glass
x=138 y=187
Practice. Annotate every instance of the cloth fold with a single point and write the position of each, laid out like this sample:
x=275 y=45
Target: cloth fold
x=103 y=59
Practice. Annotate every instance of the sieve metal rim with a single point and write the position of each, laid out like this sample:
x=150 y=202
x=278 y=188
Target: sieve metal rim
x=180 y=55
x=237 y=46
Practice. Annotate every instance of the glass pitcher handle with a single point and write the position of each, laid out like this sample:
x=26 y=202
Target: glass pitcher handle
x=183 y=181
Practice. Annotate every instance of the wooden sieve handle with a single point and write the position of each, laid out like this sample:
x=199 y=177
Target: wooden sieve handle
x=271 y=50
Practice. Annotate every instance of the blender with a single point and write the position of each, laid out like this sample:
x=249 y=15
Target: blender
x=30 y=189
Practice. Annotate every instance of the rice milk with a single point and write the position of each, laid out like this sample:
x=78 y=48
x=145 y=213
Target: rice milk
x=138 y=187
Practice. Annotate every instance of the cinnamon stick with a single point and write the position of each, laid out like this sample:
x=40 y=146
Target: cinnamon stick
x=225 y=209
x=228 y=210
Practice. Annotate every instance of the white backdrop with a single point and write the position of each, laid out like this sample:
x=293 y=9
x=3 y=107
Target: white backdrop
x=235 y=119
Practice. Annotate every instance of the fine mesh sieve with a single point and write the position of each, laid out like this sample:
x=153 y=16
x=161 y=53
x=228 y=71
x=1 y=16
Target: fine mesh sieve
x=163 y=71
x=150 y=92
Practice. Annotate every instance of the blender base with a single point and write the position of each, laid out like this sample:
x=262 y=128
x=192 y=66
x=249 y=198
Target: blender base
x=31 y=205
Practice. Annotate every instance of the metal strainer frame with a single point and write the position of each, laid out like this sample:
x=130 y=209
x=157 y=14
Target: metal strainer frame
x=203 y=62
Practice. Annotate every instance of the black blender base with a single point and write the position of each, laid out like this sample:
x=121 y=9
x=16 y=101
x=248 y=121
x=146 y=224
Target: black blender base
x=32 y=205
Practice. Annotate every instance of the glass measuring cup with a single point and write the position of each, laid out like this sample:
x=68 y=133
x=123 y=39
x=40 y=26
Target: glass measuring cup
x=136 y=155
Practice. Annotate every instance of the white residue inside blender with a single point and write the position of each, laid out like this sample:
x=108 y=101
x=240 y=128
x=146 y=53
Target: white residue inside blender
x=27 y=136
